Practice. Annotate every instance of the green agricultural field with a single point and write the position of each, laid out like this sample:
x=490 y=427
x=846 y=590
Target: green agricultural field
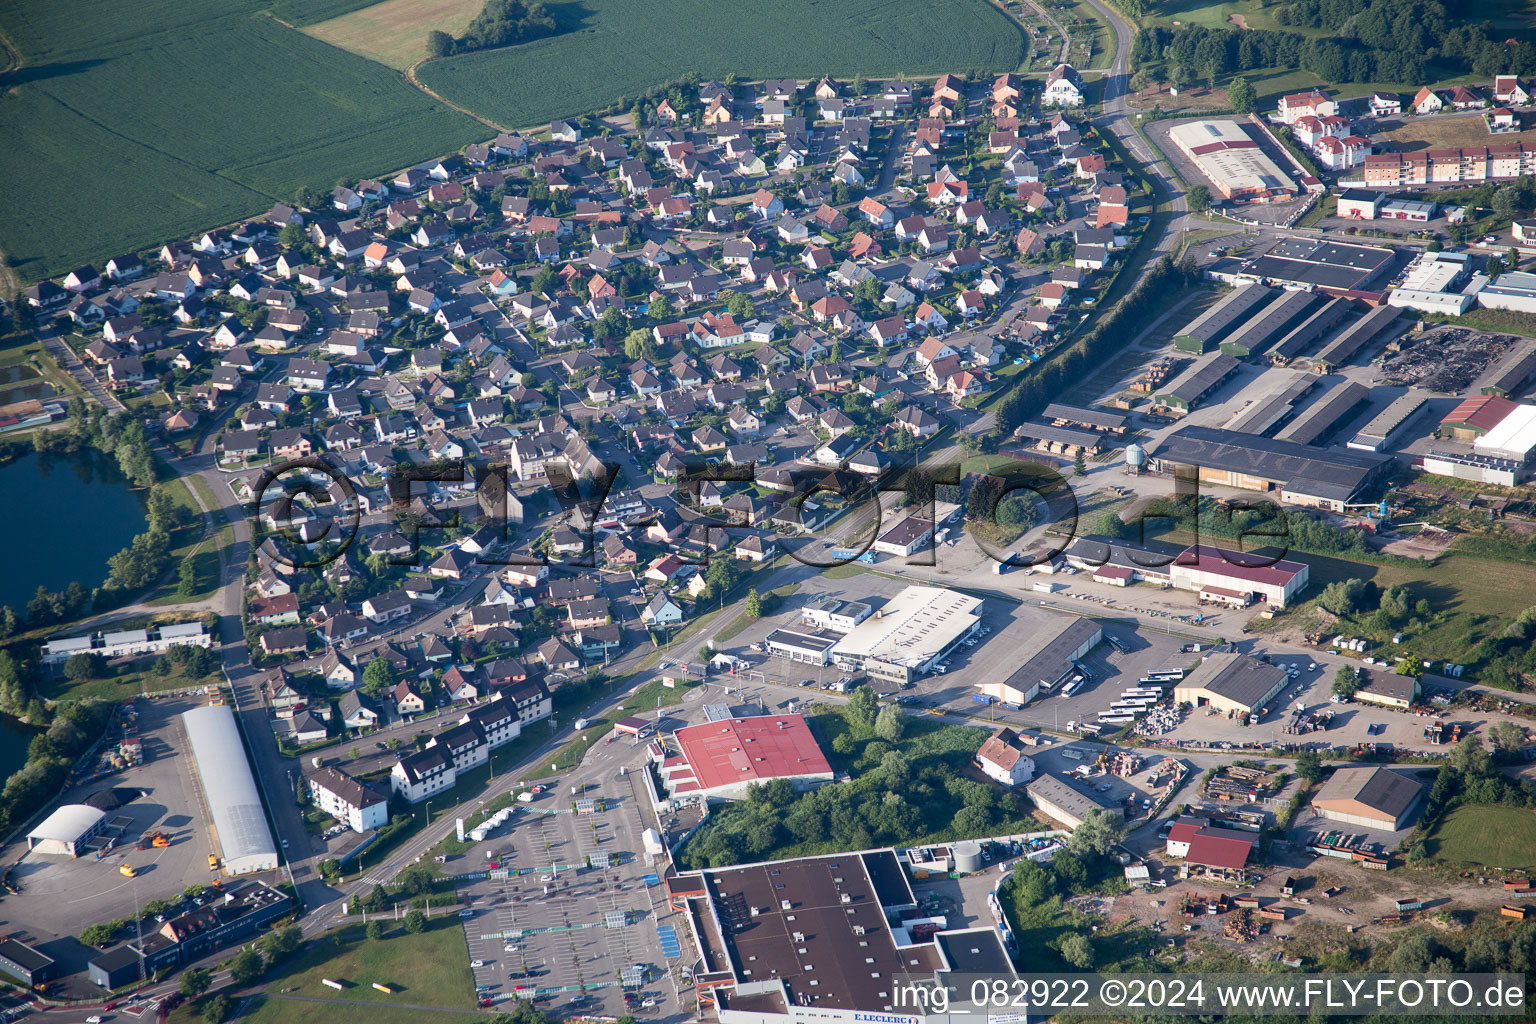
x=619 y=48
x=130 y=126
x=1498 y=837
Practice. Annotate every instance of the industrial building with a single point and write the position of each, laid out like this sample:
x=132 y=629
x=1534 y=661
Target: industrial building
x=1473 y=417
x=1310 y=331
x=826 y=938
x=1055 y=660
x=1378 y=326
x=66 y=831
x=1514 y=289
x=1507 y=377
x=1221 y=572
x=1373 y=797
x=1196 y=842
x=1197 y=383
x=1437 y=282
x=1271 y=406
x=228 y=919
x=1209 y=329
x=1331 y=267
x=1388 y=689
x=1269 y=324
x=1060 y=802
x=910 y=634
x=827 y=612
x=807 y=647
x=1303 y=475
x=1390 y=423
x=1100 y=420
x=719 y=760
x=1232 y=683
x=1503 y=454
x=1002 y=758
x=27 y=965
x=1327 y=414
x=1231 y=160
x=914 y=533
x=229 y=790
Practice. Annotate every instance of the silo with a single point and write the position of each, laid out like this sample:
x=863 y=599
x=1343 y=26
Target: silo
x=967 y=857
x=1135 y=458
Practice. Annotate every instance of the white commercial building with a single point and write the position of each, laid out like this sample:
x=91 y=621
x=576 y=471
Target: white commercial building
x=1514 y=289
x=1232 y=161
x=66 y=830
x=910 y=634
x=1513 y=437
x=229 y=790
x=1434 y=285
x=1003 y=760
x=121 y=643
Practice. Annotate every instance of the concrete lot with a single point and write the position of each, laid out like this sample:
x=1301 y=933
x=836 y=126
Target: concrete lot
x=554 y=927
x=60 y=896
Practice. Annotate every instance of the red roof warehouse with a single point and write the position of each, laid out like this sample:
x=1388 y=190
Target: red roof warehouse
x=721 y=759
x=1210 y=847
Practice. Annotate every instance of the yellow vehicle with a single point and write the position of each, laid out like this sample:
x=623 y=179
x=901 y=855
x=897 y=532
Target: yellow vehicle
x=213 y=863
x=161 y=841
x=127 y=869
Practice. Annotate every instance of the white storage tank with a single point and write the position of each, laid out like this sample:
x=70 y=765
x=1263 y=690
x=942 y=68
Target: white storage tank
x=967 y=857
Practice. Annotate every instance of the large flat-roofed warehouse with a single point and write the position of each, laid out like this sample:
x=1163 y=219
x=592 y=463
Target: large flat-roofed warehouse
x=911 y=633
x=65 y=832
x=1503 y=455
x=1387 y=424
x=1048 y=665
x=1232 y=161
x=1192 y=386
x=1327 y=414
x=1209 y=329
x=239 y=823
x=721 y=759
x=1507 y=378
x=1060 y=802
x=1473 y=417
x=1311 y=331
x=1514 y=289
x=1333 y=267
x=1314 y=477
x=815 y=939
x=1378 y=326
x=1513 y=438
x=1373 y=797
x=1269 y=324
x=1231 y=682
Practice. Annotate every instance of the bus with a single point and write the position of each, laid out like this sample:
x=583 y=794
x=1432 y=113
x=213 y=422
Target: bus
x=1115 y=718
x=1071 y=688
x=1171 y=675
x=1127 y=707
x=1142 y=692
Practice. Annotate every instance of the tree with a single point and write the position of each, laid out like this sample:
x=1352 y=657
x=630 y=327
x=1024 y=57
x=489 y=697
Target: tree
x=282 y=941
x=1508 y=740
x=246 y=966
x=543 y=279
x=194 y=982
x=1345 y=597
x=640 y=344
x=1309 y=766
x=439 y=44
x=862 y=708
x=1241 y=96
x=99 y=934
x=375 y=929
x=186 y=578
x=83 y=666
x=1111 y=525
x=890 y=723
x=415 y=922
x=1080 y=464
x=1345 y=682
x=661 y=309
x=1099 y=833
x=216 y=1009
x=1198 y=198
x=379 y=676
x=754 y=604
x=1077 y=951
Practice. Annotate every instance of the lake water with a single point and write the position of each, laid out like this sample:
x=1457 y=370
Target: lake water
x=61 y=518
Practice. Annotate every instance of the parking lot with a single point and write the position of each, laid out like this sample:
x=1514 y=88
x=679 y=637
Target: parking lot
x=59 y=896
x=555 y=923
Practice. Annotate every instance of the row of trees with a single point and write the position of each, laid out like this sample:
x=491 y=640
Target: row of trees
x=63 y=734
x=499 y=23
x=1192 y=52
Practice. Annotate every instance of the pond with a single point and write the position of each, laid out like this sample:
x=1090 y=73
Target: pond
x=61 y=518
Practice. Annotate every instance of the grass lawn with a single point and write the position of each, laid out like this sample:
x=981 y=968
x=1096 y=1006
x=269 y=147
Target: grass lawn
x=395 y=32
x=616 y=49
x=1501 y=837
x=1416 y=133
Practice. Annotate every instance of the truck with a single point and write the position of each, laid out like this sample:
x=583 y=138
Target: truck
x=981 y=698
x=213 y=862
x=1047 y=588
x=1072 y=753
x=127 y=869
x=851 y=555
